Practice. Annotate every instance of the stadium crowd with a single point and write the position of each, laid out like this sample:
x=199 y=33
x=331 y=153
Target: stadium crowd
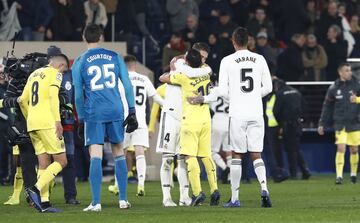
x=299 y=39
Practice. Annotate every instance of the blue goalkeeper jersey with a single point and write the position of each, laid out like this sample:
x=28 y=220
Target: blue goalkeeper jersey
x=96 y=76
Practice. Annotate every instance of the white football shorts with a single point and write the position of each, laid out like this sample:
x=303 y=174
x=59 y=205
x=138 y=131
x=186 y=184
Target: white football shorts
x=246 y=136
x=219 y=138
x=169 y=134
x=139 y=137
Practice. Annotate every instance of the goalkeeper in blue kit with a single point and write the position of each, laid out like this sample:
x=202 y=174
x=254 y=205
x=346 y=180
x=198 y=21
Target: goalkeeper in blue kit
x=96 y=77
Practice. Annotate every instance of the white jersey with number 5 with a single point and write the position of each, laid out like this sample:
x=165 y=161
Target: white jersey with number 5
x=244 y=78
x=143 y=88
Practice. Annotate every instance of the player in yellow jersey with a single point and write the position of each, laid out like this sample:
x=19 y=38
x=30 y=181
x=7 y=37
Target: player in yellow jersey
x=195 y=133
x=39 y=103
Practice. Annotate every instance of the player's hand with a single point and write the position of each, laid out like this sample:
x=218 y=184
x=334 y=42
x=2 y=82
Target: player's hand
x=59 y=130
x=320 y=130
x=199 y=99
x=131 y=122
x=353 y=97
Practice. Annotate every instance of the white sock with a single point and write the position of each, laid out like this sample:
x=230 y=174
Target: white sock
x=165 y=175
x=219 y=161
x=183 y=179
x=235 y=177
x=260 y=171
x=228 y=161
x=141 y=169
x=115 y=183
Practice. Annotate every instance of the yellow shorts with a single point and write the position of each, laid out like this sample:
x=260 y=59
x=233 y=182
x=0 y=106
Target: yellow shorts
x=195 y=139
x=16 y=151
x=348 y=138
x=46 y=141
x=132 y=149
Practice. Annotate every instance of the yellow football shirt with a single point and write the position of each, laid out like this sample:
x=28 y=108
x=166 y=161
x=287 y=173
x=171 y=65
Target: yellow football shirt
x=193 y=114
x=40 y=99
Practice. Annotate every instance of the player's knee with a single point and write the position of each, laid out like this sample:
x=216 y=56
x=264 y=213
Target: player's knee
x=167 y=163
x=63 y=162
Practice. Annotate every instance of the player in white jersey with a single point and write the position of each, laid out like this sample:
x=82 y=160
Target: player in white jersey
x=244 y=78
x=220 y=136
x=169 y=134
x=143 y=88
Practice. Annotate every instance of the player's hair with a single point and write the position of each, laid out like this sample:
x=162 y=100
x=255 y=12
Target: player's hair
x=240 y=36
x=343 y=65
x=92 y=33
x=193 y=58
x=201 y=46
x=130 y=59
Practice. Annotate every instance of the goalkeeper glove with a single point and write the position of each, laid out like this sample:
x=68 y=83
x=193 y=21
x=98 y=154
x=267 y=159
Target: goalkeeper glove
x=131 y=121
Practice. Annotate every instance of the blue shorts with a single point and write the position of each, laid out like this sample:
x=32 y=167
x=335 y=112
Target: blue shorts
x=96 y=132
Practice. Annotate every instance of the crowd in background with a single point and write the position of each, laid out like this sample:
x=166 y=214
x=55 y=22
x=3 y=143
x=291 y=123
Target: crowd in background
x=300 y=39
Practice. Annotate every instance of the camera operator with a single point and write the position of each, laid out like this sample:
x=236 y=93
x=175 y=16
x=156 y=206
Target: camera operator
x=17 y=133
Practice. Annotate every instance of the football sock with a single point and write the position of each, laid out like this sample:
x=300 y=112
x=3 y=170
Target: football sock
x=260 y=171
x=354 y=161
x=18 y=182
x=211 y=173
x=121 y=176
x=141 y=169
x=235 y=177
x=48 y=175
x=219 y=161
x=165 y=175
x=44 y=192
x=95 y=178
x=228 y=161
x=130 y=173
x=194 y=175
x=115 y=180
x=183 y=179
x=339 y=161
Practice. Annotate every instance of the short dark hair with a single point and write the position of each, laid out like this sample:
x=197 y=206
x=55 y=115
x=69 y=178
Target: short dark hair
x=193 y=58
x=92 y=33
x=201 y=46
x=343 y=65
x=240 y=36
x=130 y=59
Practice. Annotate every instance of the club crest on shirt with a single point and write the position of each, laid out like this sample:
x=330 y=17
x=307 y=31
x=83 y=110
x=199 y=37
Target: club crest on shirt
x=68 y=85
x=59 y=77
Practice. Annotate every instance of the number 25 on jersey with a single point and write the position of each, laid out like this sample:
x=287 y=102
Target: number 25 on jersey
x=106 y=72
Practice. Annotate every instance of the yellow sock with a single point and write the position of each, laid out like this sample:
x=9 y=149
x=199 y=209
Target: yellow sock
x=48 y=175
x=194 y=175
x=339 y=161
x=130 y=174
x=44 y=192
x=354 y=161
x=211 y=173
x=18 y=182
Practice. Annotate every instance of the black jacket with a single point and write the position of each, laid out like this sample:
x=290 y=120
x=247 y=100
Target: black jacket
x=290 y=65
x=289 y=105
x=337 y=109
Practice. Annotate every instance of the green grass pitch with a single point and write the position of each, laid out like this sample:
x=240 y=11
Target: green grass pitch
x=316 y=200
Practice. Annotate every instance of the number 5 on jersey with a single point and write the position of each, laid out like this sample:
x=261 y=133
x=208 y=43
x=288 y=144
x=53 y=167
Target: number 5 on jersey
x=105 y=72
